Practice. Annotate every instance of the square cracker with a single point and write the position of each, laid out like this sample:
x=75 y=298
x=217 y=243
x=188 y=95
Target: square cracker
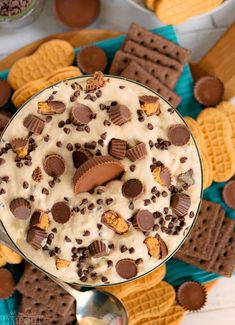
x=32 y=312
x=155 y=42
x=166 y=75
x=154 y=56
x=223 y=258
x=201 y=241
x=39 y=287
x=135 y=72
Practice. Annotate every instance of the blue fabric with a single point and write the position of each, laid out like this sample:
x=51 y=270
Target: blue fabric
x=177 y=271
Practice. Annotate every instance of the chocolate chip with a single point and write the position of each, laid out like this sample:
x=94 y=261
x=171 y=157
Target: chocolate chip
x=138 y=261
x=109 y=201
x=132 y=168
x=86 y=233
x=111 y=246
x=79 y=241
x=191 y=214
x=110 y=263
x=25 y=185
x=69 y=147
x=132 y=250
x=123 y=248
x=150 y=126
x=131 y=206
x=121 y=87
x=104 y=279
x=102 y=107
x=147 y=202
x=2 y=191
x=164 y=194
x=67 y=239
x=183 y=160
x=45 y=191
x=107 y=123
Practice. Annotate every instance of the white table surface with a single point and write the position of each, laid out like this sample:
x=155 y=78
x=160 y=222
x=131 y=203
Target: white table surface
x=199 y=34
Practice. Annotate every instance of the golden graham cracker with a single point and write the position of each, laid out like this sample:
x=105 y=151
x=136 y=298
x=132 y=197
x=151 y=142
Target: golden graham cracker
x=49 y=56
x=206 y=163
x=149 y=303
x=144 y=283
x=25 y=92
x=217 y=132
x=178 y=11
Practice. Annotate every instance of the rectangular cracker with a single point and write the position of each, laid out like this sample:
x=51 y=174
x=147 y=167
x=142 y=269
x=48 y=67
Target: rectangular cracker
x=223 y=258
x=201 y=241
x=136 y=72
x=32 y=312
x=167 y=76
x=39 y=287
x=155 y=42
x=154 y=56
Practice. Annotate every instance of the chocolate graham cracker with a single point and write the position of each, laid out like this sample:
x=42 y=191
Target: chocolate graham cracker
x=154 y=56
x=166 y=75
x=223 y=258
x=155 y=42
x=201 y=241
x=39 y=287
x=135 y=72
x=32 y=312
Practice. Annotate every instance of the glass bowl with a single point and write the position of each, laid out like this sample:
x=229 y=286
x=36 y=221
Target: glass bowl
x=188 y=230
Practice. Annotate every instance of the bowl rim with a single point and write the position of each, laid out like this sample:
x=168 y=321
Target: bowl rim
x=84 y=285
x=216 y=9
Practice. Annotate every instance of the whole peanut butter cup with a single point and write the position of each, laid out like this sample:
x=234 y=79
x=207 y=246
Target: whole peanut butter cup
x=119 y=114
x=97 y=249
x=143 y=220
x=132 y=189
x=81 y=156
x=229 y=194
x=7 y=284
x=192 y=296
x=61 y=212
x=117 y=148
x=137 y=152
x=20 y=208
x=180 y=204
x=34 y=124
x=81 y=114
x=54 y=165
x=96 y=171
x=179 y=134
x=126 y=268
x=35 y=237
x=91 y=59
x=5 y=92
x=209 y=90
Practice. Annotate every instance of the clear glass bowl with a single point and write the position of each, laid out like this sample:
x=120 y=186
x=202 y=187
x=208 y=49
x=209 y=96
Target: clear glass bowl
x=23 y=18
x=180 y=244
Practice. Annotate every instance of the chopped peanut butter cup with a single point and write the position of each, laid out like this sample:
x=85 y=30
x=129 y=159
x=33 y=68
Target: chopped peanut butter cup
x=7 y=284
x=97 y=249
x=180 y=204
x=143 y=220
x=179 y=134
x=61 y=263
x=81 y=114
x=61 y=212
x=115 y=222
x=40 y=220
x=117 y=148
x=81 y=156
x=20 y=147
x=96 y=82
x=21 y=208
x=126 y=268
x=162 y=175
x=54 y=165
x=96 y=171
x=119 y=114
x=51 y=107
x=35 y=237
x=37 y=174
x=132 y=189
x=137 y=152
x=156 y=247
x=34 y=124
x=150 y=105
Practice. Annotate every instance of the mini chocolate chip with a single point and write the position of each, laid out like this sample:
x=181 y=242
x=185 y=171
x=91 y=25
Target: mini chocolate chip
x=103 y=135
x=102 y=107
x=165 y=210
x=91 y=206
x=110 y=263
x=69 y=147
x=2 y=191
x=25 y=185
x=153 y=198
x=51 y=183
x=164 y=194
x=132 y=168
x=31 y=198
x=141 y=119
x=111 y=246
x=123 y=248
x=121 y=87
x=183 y=160
x=104 y=279
x=131 y=206
x=101 y=142
x=138 y=261
x=48 y=119
x=45 y=191
x=147 y=202
x=87 y=129
x=191 y=214
x=155 y=227
x=2 y=161
x=86 y=233
x=46 y=138
x=109 y=201
x=66 y=130
x=98 y=152
x=67 y=239
x=59 y=144
x=150 y=126
x=61 y=124
x=99 y=201
x=45 y=248
x=84 y=201
x=131 y=250
x=83 y=211
x=107 y=123
x=5 y=179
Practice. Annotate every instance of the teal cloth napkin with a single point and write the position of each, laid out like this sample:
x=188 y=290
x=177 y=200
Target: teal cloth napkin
x=177 y=271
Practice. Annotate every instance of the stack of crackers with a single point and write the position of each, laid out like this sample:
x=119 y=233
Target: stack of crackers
x=43 y=301
x=211 y=244
x=151 y=60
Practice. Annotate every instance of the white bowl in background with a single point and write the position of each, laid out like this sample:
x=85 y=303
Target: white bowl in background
x=140 y=4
